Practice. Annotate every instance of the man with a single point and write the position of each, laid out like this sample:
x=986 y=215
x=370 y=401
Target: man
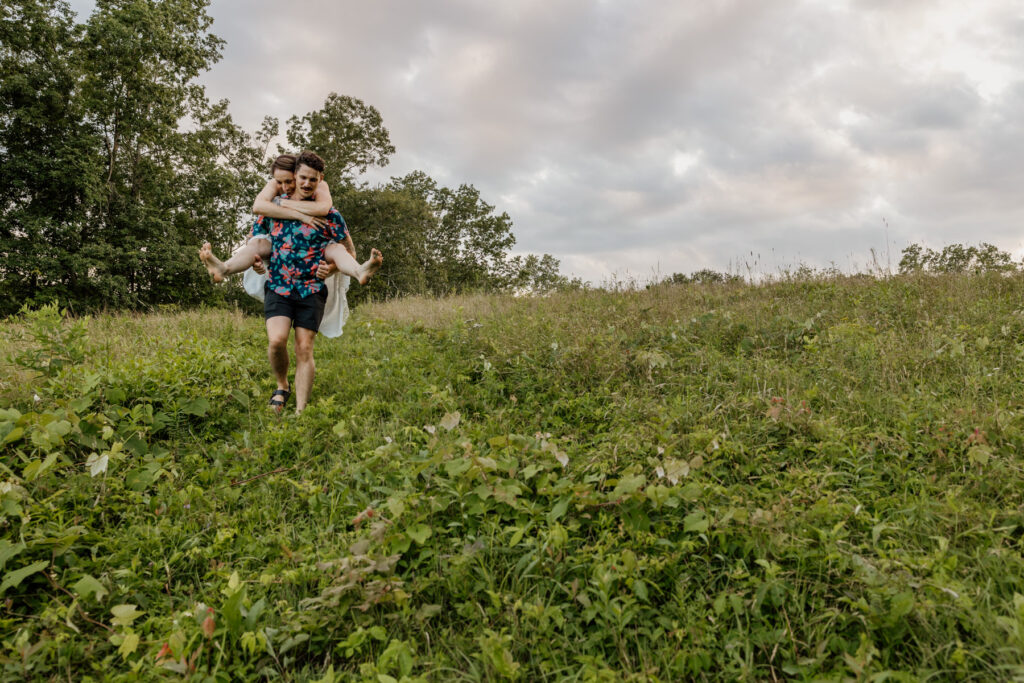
x=294 y=296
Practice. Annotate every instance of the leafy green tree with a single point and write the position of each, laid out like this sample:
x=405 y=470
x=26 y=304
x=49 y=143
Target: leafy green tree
x=142 y=57
x=47 y=152
x=956 y=258
x=348 y=133
x=468 y=246
x=109 y=197
x=705 y=276
x=538 y=274
x=399 y=223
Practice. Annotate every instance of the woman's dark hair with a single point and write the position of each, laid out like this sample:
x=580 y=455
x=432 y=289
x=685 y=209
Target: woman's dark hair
x=285 y=162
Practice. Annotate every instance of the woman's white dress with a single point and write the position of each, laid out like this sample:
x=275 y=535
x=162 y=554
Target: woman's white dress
x=335 y=310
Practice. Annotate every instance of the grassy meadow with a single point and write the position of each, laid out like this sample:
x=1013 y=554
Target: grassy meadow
x=816 y=478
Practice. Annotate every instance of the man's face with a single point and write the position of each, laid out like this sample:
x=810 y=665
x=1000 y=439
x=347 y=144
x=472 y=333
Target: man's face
x=306 y=180
x=286 y=179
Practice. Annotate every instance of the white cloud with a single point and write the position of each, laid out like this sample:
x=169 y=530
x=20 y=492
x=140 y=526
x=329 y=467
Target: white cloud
x=664 y=136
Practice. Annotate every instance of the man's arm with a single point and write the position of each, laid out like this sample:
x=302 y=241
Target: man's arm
x=319 y=205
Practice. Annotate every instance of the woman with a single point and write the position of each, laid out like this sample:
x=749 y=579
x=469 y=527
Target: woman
x=273 y=198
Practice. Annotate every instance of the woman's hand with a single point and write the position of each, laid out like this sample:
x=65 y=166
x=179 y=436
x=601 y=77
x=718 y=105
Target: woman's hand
x=315 y=221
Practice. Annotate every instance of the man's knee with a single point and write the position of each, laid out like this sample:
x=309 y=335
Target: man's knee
x=304 y=353
x=303 y=347
x=277 y=342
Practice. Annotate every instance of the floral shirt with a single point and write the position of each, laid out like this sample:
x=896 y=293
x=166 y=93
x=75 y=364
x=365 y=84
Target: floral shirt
x=296 y=250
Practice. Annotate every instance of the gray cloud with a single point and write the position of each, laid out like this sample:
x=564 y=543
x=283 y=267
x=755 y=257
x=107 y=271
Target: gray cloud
x=655 y=136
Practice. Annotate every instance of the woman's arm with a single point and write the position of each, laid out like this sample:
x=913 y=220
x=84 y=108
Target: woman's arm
x=263 y=205
x=319 y=205
x=281 y=213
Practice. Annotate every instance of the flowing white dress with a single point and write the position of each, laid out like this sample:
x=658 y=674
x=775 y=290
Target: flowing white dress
x=335 y=310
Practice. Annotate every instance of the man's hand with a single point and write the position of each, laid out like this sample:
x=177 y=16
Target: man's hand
x=257 y=265
x=324 y=270
x=315 y=221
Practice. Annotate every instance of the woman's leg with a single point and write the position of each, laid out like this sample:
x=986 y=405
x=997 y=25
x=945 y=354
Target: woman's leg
x=242 y=259
x=360 y=272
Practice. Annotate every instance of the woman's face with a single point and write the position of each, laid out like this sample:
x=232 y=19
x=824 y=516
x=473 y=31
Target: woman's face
x=286 y=179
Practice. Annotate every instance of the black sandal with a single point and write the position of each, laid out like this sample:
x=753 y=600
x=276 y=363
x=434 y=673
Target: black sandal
x=276 y=403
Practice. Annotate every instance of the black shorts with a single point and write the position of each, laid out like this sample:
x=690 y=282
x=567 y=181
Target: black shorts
x=306 y=312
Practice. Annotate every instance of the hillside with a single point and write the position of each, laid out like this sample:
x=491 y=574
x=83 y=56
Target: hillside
x=811 y=478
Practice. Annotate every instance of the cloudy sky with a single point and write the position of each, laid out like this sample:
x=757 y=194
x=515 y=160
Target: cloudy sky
x=633 y=139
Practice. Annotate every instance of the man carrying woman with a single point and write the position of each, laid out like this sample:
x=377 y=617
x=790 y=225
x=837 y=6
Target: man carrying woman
x=302 y=247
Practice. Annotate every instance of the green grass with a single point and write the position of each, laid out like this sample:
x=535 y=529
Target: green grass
x=813 y=479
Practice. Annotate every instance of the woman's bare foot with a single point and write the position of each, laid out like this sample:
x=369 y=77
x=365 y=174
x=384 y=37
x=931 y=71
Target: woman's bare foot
x=212 y=263
x=371 y=266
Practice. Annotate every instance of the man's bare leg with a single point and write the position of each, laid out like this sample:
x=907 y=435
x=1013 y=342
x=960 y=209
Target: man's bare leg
x=242 y=260
x=360 y=272
x=278 y=328
x=305 y=368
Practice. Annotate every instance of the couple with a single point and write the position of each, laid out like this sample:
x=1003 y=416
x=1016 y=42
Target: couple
x=304 y=240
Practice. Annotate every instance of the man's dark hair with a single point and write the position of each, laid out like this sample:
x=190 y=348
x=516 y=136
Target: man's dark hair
x=285 y=162
x=311 y=159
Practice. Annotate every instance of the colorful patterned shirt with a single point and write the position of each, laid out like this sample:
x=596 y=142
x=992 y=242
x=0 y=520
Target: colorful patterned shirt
x=296 y=250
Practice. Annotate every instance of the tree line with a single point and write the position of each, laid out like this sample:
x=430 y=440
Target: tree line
x=117 y=165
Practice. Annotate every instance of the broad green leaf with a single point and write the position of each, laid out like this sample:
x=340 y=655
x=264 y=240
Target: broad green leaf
x=37 y=468
x=58 y=429
x=232 y=611
x=676 y=470
x=128 y=645
x=87 y=585
x=14 y=579
x=629 y=485
x=252 y=617
x=136 y=445
x=691 y=491
x=530 y=471
x=8 y=550
x=14 y=435
x=419 y=533
x=457 y=466
x=451 y=420
x=328 y=677
x=427 y=611
x=558 y=509
x=396 y=506
x=979 y=454
x=80 y=405
x=902 y=604
x=97 y=463
x=198 y=407
x=696 y=522
x=124 y=615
